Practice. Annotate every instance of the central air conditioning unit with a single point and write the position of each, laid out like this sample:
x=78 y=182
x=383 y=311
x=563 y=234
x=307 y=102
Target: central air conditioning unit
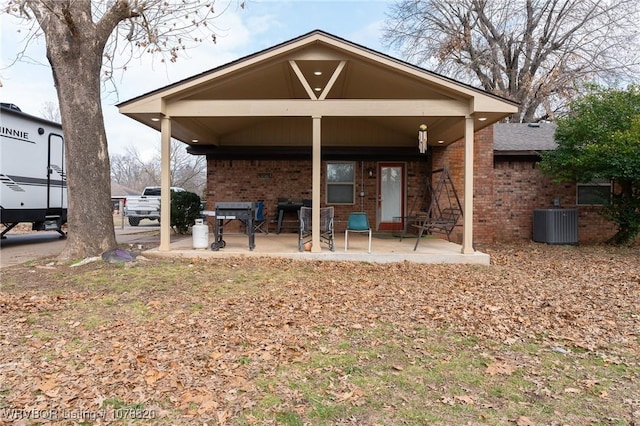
x=555 y=226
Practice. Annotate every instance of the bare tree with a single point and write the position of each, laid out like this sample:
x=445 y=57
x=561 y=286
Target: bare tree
x=51 y=112
x=79 y=35
x=129 y=170
x=187 y=171
x=536 y=52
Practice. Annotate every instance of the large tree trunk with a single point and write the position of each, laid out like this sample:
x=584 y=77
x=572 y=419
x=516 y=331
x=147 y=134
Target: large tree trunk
x=77 y=79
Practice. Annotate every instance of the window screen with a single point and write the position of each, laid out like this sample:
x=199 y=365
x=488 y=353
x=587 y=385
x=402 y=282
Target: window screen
x=594 y=193
x=341 y=183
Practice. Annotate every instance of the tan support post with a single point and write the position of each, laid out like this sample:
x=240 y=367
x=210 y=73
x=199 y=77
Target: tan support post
x=315 y=185
x=165 y=185
x=467 y=236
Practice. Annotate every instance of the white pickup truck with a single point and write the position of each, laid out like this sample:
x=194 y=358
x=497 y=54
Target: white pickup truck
x=145 y=206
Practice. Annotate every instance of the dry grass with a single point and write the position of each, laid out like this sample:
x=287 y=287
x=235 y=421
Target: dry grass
x=545 y=335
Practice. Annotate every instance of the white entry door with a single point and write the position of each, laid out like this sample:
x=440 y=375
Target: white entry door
x=391 y=195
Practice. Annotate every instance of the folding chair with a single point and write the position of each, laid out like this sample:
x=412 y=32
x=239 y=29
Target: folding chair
x=357 y=222
x=326 y=227
x=260 y=222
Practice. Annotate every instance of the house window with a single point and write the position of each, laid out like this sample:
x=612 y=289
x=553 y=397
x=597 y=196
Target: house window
x=341 y=186
x=594 y=193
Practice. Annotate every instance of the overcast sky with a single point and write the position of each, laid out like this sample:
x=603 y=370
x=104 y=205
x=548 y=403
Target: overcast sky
x=241 y=32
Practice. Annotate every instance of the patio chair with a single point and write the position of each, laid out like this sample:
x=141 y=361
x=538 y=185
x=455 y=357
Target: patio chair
x=357 y=222
x=326 y=227
x=260 y=222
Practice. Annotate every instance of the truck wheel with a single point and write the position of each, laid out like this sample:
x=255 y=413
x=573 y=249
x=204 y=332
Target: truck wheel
x=134 y=221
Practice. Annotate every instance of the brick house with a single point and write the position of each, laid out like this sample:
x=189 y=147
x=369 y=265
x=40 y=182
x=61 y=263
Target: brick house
x=520 y=187
x=509 y=185
x=326 y=120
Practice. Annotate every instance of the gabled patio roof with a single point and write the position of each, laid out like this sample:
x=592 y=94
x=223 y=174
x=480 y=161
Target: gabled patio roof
x=312 y=93
x=369 y=99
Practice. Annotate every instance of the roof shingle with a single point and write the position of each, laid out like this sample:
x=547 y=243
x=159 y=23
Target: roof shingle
x=524 y=136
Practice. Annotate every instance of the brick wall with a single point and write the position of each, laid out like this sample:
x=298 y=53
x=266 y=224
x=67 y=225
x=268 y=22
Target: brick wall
x=521 y=187
x=268 y=180
x=452 y=156
x=252 y=180
x=505 y=193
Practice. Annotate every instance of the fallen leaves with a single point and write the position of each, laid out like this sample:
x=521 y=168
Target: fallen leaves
x=500 y=368
x=206 y=340
x=524 y=421
x=152 y=376
x=48 y=385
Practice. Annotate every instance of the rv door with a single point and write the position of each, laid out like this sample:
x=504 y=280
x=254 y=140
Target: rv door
x=56 y=178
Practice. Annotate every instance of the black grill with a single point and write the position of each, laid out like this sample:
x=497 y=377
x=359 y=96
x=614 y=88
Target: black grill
x=231 y=210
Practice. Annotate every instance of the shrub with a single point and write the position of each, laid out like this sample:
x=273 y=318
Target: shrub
x=185 y=209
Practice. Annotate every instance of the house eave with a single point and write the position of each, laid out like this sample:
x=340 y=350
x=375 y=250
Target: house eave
x=305 y=153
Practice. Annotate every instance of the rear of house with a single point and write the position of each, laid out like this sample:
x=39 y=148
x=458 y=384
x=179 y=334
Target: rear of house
x=319 y=120
x=520 y=187
x=322 y=119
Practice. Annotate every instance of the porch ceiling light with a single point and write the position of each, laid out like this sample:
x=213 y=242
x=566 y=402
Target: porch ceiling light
x=317 y=89
x=422 y=138
x=194 y=140
x=155 y=119
x=482 y=119
x=317 y=73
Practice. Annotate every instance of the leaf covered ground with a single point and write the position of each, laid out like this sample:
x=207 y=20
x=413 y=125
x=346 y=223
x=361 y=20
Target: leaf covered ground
x=546 y=335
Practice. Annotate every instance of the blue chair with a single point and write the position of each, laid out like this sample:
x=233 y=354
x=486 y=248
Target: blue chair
x=260 y=220
x=357 y=222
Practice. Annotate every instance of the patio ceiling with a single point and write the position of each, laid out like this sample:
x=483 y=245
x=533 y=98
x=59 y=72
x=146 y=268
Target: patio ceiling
x=364 y=98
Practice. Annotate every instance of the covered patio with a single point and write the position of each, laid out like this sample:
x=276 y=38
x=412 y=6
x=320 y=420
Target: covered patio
x=387 y=248
x=282 y=117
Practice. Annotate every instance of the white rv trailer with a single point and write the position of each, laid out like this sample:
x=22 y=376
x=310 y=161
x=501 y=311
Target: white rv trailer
x=33 y=183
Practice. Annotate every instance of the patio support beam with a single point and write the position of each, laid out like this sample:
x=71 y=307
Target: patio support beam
x=332 y=80
x=467 y=236
x=313 y=108
x=303 y=80
x=165 y=184
x=307 y=87
x=315 y=184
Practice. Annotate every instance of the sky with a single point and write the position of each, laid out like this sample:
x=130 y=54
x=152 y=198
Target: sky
x=240 y=32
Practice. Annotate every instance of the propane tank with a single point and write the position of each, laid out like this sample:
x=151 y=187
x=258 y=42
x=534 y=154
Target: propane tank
x=200 y=232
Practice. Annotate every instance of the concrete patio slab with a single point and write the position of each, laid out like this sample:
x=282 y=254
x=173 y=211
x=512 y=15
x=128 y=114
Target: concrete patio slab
x=386 y=249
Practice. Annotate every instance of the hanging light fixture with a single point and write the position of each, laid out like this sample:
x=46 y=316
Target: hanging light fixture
x=422 y=138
